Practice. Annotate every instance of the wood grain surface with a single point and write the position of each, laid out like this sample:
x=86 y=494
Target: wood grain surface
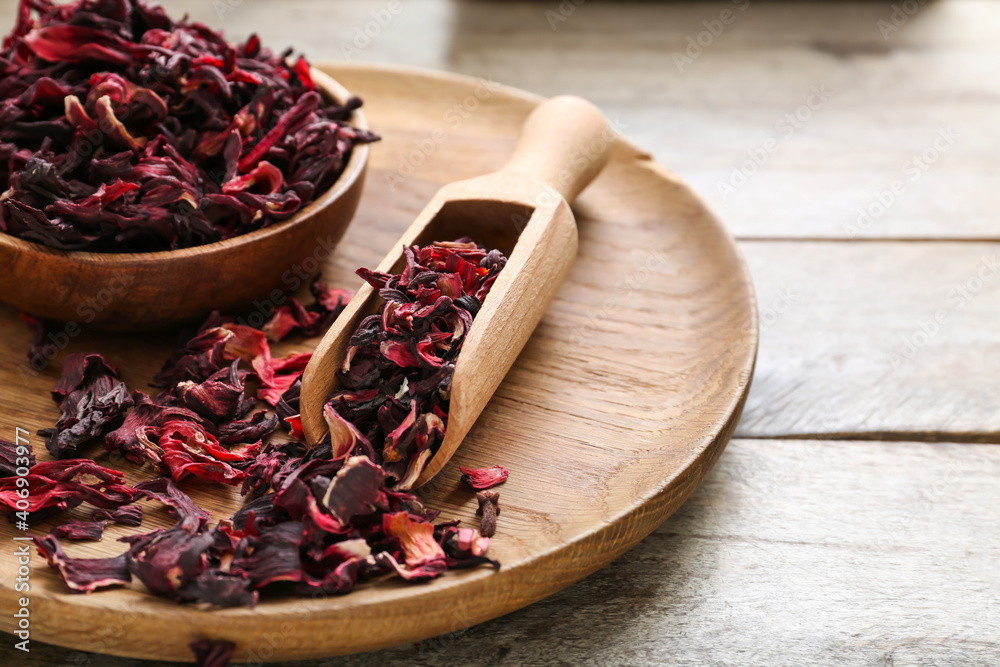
x=789 y=553
x=612 y=414
x=876 y=340
x=812 y=553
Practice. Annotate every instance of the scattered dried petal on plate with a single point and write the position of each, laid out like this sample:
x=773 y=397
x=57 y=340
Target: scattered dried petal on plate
x=80 y=530
x=90 y=397
x=209 y=653
x=84 y=575
x=14 y=456
x=126 y=515
x=484 y=478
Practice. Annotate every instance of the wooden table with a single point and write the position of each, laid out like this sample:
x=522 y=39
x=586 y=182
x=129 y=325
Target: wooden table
x=852 y=149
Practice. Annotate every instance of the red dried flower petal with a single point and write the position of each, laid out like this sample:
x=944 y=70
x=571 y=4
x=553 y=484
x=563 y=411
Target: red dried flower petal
x=127 y=515
x=484 y=478
x=132 y=438
x=14 y=456
x=54 y=484
x=75 y=44
x=283 y=374
x=220 y=398
x=356 y=490
x=208 y=653
x=189 y=450
x=166 y=561
x=416 y=538
x=396 y=373
x=75 y=90
x=162 y=489
x=344 y=436
x=84 y=574
x=272 y=556
x=90 y=397
x=80 y=530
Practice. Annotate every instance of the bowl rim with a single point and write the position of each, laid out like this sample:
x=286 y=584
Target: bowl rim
x=353 y=170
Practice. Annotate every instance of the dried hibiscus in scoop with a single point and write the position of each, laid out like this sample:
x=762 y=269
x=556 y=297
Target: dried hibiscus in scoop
x=122 y=130
x=396 y=375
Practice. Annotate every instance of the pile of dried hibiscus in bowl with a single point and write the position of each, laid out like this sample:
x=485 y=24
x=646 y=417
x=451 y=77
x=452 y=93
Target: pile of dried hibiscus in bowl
x=122 y=130
x=313 y=521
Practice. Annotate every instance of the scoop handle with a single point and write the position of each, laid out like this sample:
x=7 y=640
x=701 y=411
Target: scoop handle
x=564 y=143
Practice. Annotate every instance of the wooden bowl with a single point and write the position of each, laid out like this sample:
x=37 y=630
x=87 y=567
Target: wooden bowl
x=146 y=291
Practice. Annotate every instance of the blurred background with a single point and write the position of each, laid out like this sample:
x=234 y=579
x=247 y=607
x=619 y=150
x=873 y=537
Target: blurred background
x=827 y=100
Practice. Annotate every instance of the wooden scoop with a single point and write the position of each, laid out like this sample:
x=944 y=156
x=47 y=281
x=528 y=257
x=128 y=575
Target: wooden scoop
x=523 y=211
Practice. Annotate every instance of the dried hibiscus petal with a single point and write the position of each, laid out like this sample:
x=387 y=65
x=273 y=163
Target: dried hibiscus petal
x=165 y=491
x=355 y=490
x=55 y=485
x=220 y=398
x=465 y=548
x=255 y=429
x=208 y=653
x=80 y=530
x=127 y=515
x=209 y=140
x=220 y=589
x=133 y=437
x=14 y=456
x=197 y=360
x=90 y=398
x=189 y=450
x=423 y=556
x=396 y=373
x=272 y=556
x=166 y=561
x=84 y=574
x=484 y=478
x=293 y=317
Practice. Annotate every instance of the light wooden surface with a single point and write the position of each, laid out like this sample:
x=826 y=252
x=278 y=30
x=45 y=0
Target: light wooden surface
x=150 y=291
x=523 y=211
x=758 y=569
x=599 y=453
x=792 y=552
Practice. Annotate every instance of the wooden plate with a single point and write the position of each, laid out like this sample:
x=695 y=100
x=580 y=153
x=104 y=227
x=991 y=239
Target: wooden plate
x=616 y=409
